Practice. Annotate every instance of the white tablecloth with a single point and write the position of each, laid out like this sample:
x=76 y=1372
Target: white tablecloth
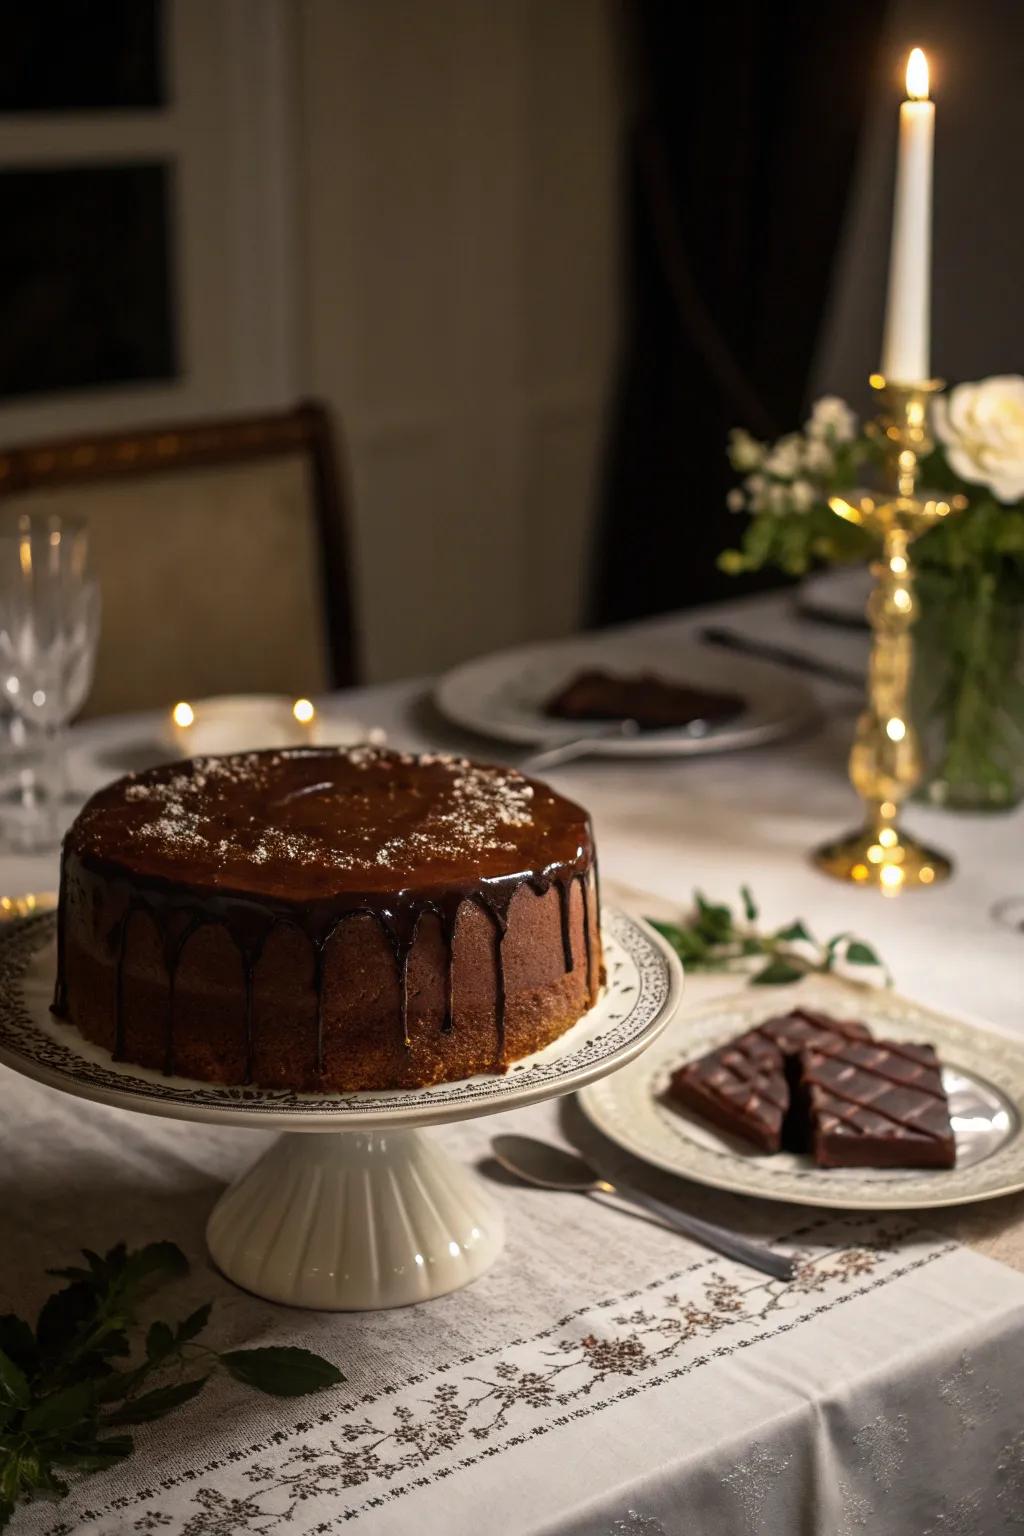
x=606 y=1376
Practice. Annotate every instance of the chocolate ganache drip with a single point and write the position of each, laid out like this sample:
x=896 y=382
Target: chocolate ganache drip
x=311 y=838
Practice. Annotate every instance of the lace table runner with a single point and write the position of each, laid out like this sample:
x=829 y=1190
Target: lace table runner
x=606 y=1376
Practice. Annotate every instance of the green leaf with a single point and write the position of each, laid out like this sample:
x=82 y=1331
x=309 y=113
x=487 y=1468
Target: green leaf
x=6 y=1512
x=776 y=972
x=18 y=1342
x=115 y=1386
x=73 y=1272
x=61 y=1411
x=10 y=1476
x=159 y=1342
x=113 y=1345
x=282 y=1371
x=689 y=946
x=859 y=953
x=147 y=1268
x=193 y=1324
x=153 y=1405
x=793 y=933
x=714 y=921
x=120 y=1383
x=95 y=1456
x=749 y=904
x=38 y=1476
x=63 y=1315
x=112 y=1263
x=14 y=1388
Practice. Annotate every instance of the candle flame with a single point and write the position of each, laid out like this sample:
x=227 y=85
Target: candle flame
x=303 y=711
x=917 y=76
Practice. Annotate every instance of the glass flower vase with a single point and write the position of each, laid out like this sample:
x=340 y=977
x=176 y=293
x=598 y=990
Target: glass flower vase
x=968 y=688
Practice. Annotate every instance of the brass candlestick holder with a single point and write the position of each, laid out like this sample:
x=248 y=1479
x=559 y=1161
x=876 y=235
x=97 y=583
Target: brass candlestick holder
x=885 y=760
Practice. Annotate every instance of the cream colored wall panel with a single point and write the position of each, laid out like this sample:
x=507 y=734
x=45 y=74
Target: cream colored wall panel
x=563 y=466
x=573 y=155
x=460 y=207
x=434 y=549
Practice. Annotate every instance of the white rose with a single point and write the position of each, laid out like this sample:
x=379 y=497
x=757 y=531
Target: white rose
x=982 y=429
x=801 y=494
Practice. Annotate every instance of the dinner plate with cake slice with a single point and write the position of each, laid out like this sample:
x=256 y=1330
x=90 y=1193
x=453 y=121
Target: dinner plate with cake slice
x=828 y=1096
x=671 y=697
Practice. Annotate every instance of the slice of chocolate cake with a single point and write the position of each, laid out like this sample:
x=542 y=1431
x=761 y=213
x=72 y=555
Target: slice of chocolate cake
x=745 y=1086
x=876 y=1104
x=652 y=701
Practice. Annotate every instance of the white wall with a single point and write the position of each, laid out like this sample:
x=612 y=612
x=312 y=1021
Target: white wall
x=977 y=58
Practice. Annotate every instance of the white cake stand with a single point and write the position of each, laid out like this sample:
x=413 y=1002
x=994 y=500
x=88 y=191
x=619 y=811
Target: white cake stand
x=354 y=1207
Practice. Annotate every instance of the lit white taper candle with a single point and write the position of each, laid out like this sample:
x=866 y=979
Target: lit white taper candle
x=906 y=352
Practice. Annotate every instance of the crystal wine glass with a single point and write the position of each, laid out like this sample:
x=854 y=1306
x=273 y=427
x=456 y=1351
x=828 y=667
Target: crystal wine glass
x=49 y=627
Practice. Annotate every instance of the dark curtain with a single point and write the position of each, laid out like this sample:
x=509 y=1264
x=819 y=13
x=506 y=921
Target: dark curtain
x=741 y=155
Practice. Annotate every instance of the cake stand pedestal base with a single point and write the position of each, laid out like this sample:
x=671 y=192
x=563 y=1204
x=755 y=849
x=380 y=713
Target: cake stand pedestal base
x=355 y=1220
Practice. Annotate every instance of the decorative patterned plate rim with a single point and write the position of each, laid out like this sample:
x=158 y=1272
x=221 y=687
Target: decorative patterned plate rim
x=645 y=984
x=628 y=1111
x=471 y=694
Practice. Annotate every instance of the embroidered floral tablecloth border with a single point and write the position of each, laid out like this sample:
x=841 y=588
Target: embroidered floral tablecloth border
x=382 y=1447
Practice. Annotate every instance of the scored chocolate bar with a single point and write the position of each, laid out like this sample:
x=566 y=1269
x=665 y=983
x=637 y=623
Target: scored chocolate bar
x=811 y=1083
x=744 y=1086
x=876 y=1104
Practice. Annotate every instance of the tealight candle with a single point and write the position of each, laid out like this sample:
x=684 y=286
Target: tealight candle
x=247 y=722
x=241 y=723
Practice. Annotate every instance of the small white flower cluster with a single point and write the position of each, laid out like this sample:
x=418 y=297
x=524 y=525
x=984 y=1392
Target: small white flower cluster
x=785 y=476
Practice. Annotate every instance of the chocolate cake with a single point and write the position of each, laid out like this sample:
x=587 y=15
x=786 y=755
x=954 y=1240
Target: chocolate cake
x=809 y=1083
x=327 y=919
x=652 y=701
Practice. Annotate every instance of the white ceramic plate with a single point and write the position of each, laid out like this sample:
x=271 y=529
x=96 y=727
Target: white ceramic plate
x=504 y=694
x=983 y=1075
x=837 y=597
x=645 y=984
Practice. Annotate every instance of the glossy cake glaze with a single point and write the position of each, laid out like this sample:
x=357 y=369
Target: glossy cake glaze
x=327 y=919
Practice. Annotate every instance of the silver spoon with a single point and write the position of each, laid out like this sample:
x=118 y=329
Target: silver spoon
x=572 y=747
x=552 y=1168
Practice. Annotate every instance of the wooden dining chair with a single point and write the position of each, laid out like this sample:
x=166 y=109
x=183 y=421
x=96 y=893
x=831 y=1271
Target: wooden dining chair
x=221 y=552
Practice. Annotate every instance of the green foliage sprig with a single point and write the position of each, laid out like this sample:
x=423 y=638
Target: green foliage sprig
x=69 y=1387
x=712 y=938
